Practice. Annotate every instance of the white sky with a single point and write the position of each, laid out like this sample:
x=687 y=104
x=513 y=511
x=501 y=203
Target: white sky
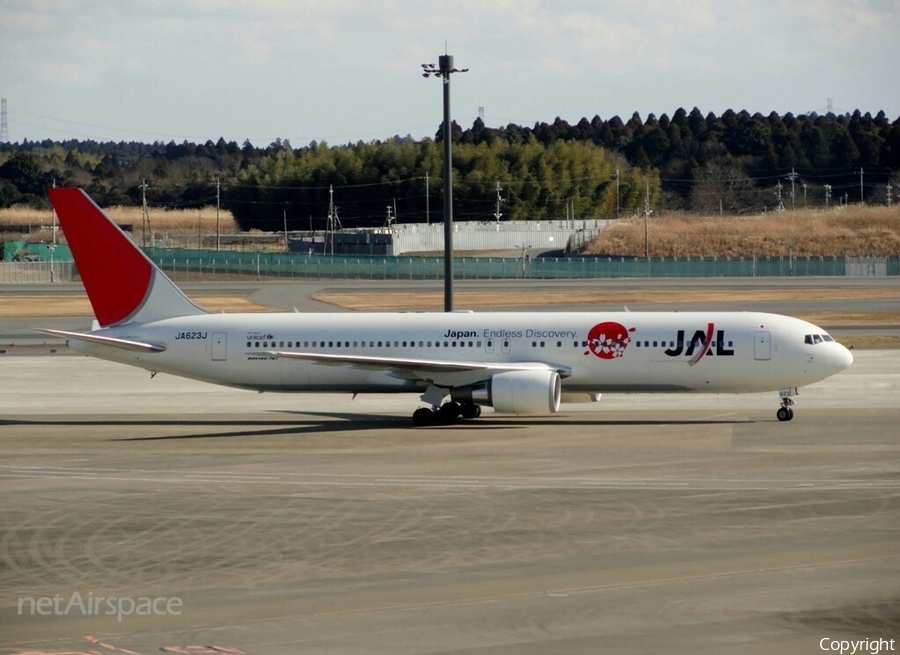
x=348 y=70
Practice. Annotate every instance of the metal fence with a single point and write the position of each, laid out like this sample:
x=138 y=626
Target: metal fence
x=202 y=265
x=208 y=265
x=36 y=272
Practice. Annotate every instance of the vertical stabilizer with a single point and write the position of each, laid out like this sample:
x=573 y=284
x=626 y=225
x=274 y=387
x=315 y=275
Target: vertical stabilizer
x=123 y=285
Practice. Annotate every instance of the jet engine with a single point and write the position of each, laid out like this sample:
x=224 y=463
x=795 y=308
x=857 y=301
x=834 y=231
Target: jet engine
x=515 y=392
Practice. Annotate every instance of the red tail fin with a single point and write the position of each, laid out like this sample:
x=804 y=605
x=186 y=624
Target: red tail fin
x=119 y=279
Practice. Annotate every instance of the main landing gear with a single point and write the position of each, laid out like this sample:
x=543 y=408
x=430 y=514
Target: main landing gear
x=445 y=414
x=785 y=413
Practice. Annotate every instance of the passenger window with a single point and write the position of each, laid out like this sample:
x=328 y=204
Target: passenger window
x=420 y=344
x=559 y=344
x=542 y=344
x=654 y=344
x=445 y=345
x=249 y=344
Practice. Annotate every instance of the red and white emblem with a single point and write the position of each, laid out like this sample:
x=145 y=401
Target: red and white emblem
x=608 y=340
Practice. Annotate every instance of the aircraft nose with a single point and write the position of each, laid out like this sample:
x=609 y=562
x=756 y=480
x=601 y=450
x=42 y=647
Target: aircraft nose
x=842 y=357
x=847 y=357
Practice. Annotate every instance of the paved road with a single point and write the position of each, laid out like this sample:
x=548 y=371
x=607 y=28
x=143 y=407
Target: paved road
x=320 y=524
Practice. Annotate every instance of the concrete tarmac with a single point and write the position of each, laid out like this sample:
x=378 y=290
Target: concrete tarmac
x=321 y=524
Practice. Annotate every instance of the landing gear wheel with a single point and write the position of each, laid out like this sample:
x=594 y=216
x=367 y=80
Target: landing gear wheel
x=447 y=413
x=422 y=417
x=785 y=413
x=470 y=411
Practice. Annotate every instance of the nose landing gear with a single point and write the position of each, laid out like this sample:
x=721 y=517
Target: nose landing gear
x=785 y=413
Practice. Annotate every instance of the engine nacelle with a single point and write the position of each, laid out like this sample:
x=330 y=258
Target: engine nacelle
x=517 y=392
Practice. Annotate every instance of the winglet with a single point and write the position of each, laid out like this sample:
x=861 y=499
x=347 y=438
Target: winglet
x=122 y=283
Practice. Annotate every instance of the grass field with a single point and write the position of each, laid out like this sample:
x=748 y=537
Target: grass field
x=176 y=221
x=851 y=230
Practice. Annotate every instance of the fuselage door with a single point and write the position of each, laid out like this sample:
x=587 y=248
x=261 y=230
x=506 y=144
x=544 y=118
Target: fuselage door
x=219 y=346
x=762 y=346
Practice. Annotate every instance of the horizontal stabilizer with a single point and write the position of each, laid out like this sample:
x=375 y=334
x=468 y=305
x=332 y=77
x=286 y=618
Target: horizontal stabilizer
x=124 y=344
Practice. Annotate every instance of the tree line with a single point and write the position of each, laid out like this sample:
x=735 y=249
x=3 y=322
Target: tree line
x=597 y=168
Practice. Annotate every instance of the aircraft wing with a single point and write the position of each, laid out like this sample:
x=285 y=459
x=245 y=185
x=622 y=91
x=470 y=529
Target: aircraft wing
x=123 y=344
x=423 y=369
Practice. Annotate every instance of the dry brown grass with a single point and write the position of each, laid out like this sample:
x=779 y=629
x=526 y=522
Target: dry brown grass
x=393 y=301
x=853 y=230
x=43 y=306
x=176 y=221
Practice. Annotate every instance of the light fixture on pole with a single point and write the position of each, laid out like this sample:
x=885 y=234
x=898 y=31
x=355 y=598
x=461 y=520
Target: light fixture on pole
x=443 y=70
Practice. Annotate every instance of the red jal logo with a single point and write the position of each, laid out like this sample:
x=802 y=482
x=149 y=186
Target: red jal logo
x=608 y=340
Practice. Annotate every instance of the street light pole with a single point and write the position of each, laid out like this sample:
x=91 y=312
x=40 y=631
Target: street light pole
x=444 y=69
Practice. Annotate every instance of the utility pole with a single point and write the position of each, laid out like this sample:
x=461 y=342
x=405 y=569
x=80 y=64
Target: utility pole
x=647 y=222
x=145 y=218
x=329 y=224
x=54 y=219
x=617 y=193
x=889 y=193
x=497 y=213
x=793 y=176
x=444 y=70
x=778 y=189
x=427 y=202
x=804 y=195
x=862 y=198
x=218 y=202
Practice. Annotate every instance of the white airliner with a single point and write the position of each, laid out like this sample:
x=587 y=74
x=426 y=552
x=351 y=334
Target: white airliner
x=518 y=363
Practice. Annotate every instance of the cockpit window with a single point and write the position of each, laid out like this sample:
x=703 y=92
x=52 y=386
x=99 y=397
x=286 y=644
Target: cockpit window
x=816 y=338
x=827 y=337
x=808 y=339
